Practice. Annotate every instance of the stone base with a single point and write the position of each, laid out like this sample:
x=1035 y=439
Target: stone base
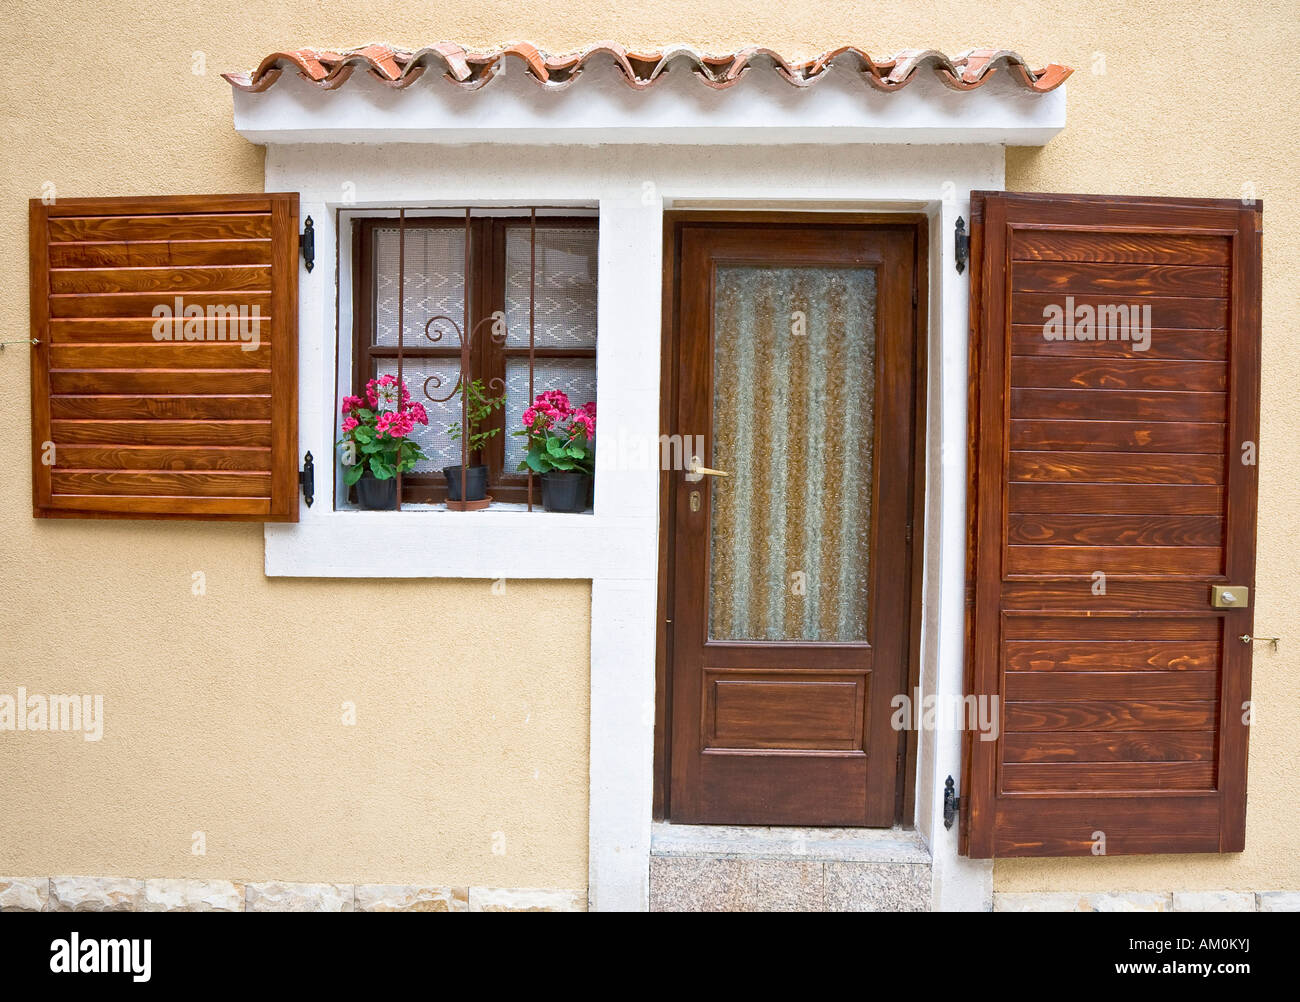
x=1146 y=901
x=120 y=894
x=733 y=868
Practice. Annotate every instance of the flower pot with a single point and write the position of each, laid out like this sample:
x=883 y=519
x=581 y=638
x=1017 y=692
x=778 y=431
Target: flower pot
x=476 y=480
x=566 y=491
x=377 y=495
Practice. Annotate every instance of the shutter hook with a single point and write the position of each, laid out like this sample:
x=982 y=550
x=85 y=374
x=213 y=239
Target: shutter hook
x=25 y=340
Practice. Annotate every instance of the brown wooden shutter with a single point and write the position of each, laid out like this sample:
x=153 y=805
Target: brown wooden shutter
x=153 y=414
x=1121 y=713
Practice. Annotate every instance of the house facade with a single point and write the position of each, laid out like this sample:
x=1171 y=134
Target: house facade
x=936 y=545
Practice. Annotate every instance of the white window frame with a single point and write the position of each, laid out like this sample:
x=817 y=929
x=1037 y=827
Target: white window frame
x=616 y=549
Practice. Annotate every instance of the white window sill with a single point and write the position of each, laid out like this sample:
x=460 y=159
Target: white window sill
x=494 y=510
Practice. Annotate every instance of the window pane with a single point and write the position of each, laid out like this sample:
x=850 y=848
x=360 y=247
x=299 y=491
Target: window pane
x=565 y=293
x=576 y=377
x=440 y=449
x=793 y=417
x=435 y=283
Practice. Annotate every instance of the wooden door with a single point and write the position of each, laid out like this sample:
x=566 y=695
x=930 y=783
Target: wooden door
x=1114 y=423
x=794 y=358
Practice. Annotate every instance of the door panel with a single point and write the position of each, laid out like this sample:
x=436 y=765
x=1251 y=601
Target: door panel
x=794 y=357
x=1112 y=486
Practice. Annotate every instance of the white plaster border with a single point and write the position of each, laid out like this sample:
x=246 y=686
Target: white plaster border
x=616 y=547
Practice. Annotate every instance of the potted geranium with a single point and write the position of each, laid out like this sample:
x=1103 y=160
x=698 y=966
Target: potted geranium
x=478 y=408
x=562 y=448
x=376 y=441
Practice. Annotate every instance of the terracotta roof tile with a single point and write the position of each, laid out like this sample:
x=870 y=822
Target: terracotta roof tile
x=470 y=70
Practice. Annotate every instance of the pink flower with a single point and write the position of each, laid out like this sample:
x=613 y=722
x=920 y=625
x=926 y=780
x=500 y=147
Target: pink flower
x=351 y=403
x=418 y=412
x=349 y=423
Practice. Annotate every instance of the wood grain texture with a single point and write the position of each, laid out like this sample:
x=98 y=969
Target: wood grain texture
x=790 y=732
x=153 y=412
x=1117 y=436
x=1135 y=373
x=1110 y=746
x=1105 y=501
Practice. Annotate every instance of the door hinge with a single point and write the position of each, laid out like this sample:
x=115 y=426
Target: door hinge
x=307 y=243
x=907 y=533
x=961 y=244
x=307 y=479
x=951 y=803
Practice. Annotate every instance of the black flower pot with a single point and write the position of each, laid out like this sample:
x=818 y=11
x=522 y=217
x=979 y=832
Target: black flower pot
x=476 y=480
x=566 y=491
x=377 y=495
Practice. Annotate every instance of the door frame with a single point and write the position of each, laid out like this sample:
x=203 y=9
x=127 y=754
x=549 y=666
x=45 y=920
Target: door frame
x=673 y=223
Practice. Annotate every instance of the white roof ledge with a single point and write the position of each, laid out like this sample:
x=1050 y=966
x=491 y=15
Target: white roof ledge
x=600 y=108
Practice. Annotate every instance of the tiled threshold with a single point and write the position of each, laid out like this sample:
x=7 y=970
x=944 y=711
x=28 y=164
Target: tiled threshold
x=735 y=868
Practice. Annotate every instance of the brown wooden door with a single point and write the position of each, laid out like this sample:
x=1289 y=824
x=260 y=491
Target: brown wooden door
x=1113 y=486
x=794 y=357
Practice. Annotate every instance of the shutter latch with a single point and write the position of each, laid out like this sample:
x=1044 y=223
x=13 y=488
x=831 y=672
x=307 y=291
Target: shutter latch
x=961 y=244
x=307 y=479
x=307 y=241
x=951 y=803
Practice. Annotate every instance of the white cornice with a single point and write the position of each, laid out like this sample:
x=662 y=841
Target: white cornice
x=601 y=109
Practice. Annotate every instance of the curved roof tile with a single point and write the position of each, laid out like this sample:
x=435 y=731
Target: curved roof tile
x=470 y=70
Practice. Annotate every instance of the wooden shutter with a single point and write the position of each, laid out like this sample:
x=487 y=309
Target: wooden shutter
x=151 y=414
x=1121 y=712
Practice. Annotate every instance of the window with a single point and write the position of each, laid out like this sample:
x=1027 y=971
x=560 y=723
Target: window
x=516 y=279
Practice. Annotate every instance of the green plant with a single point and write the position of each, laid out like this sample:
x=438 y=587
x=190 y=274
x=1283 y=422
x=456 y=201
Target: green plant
x=560 y=436
x=376 y=429
x=478 y=408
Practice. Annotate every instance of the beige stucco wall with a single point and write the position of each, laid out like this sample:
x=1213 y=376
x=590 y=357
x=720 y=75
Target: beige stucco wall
x=224 y=710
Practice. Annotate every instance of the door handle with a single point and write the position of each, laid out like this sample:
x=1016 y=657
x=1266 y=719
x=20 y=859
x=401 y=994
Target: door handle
x=1229 y=596
x=695 y=472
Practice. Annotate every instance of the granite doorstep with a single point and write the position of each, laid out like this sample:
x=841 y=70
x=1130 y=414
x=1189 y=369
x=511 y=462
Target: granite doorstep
x=877 y=887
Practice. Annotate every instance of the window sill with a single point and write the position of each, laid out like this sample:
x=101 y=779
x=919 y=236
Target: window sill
x=497 y=508
x=502 y=541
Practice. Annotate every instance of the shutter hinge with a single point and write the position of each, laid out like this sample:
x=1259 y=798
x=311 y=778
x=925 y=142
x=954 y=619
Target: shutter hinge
x=914 y=297
x=951 y=803
x=961 y=244
x=307 y=479
x=307 y=241
x=907 y=533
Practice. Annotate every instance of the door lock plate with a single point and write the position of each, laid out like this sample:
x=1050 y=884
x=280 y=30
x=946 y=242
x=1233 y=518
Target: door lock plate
x=695 y=500
x=1229 y=596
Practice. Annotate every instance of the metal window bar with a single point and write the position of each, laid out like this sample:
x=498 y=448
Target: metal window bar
x=465 y=335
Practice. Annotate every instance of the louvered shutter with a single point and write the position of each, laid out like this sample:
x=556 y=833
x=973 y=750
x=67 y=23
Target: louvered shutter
x=164 y=383
x=1112 y=485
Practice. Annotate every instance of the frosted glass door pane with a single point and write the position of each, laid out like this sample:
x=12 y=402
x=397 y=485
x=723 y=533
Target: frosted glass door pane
x=793 y=401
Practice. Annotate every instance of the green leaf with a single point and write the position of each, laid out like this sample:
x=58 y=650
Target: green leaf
x=353 y=473
x=380 y=469
x=537 y=460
